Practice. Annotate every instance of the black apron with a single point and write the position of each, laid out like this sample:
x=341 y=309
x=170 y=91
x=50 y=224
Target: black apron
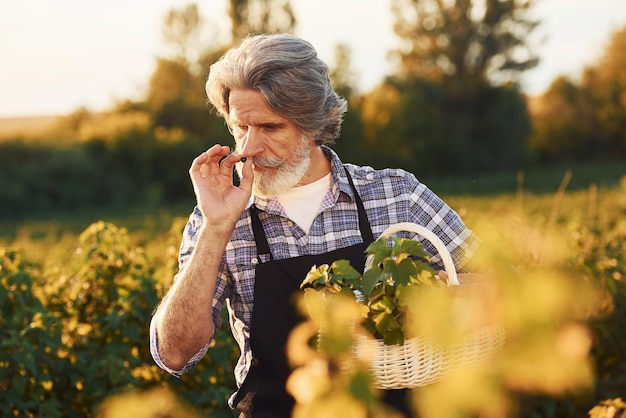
x=274 y=315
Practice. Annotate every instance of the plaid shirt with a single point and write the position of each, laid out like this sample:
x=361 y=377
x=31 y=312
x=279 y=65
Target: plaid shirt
x=389 y=196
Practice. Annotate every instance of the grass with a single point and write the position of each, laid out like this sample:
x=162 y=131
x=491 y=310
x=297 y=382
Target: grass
x=151 y=219
x=53 y=238
x=48 y=239
x=590 y=189
x=536 y=180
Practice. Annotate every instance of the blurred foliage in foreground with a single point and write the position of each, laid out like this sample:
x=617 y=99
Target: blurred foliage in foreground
x=75 y=313
x=553 y=309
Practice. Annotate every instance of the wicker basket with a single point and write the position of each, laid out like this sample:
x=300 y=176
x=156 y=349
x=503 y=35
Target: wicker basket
x=419 y=362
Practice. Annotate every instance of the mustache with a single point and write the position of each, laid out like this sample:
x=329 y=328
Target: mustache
x=268 y=162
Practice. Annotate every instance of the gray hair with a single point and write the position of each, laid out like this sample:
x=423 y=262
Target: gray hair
x=291 y=78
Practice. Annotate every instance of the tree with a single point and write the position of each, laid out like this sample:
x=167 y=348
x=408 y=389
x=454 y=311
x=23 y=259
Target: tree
x=394 y=113
x=175 y=79
x=458 y=65
x=605 y=83
x=176 y=94
x=181 y=33
x=464 y=41
x=351 y=142
x=260 y=16
x=564 y=123
x=585 y=120
x=342 y=75
x=173 y=82
x=429 y=131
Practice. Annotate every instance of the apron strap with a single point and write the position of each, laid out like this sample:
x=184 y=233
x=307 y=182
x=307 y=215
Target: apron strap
x=261 y=239
x=364 y=225
x=262 y=247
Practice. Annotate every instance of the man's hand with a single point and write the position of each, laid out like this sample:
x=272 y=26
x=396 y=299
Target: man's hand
x=219 y=200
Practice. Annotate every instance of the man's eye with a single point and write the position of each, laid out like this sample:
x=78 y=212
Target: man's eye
x=239 y=128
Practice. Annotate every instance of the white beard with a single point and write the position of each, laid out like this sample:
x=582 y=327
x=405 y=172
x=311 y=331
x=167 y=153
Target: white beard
x=283 y=173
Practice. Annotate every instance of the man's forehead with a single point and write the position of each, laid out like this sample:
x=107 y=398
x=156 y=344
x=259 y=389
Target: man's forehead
x=249 y=107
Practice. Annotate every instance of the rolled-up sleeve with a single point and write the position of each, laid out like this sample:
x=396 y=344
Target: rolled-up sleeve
x=154 y=351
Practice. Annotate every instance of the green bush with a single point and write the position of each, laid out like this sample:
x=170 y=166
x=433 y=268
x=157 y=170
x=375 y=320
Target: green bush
x=33 y=363
x=135 y=168
x=75 y=332
x=74 y=338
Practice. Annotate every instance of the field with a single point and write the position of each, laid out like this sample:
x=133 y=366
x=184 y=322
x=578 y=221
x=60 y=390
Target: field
x=26 y=127
x=98 y=278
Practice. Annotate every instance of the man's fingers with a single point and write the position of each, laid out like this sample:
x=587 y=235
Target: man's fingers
x=217 y=153
x=218 y=150
x=208 y=161
x=230 y=160
x=197 y=164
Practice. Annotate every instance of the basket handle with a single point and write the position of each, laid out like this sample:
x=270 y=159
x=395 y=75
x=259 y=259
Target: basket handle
x=430 y=236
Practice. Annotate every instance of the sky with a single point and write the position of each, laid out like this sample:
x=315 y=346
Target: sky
x=59 y=55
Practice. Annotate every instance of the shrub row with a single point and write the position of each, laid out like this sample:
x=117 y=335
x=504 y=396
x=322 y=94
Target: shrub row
x=78 y=334
x=135 y=168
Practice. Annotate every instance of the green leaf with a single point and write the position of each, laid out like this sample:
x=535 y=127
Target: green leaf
x=385 y=304
x=394 y=337
x=316 y=276
x=383 y=321
x=396 y=244
x=412 y=247
x=402 y=272
x=378 y=247
x=343 y=272
x=371 y=278
x=386 y=324
x=380 y=251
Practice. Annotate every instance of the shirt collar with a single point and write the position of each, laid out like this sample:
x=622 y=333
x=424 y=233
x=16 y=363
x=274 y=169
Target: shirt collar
x=339 y=179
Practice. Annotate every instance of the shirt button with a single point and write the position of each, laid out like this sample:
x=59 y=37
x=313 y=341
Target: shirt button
x=370 y=176
x=290 y=223
x=255 y=261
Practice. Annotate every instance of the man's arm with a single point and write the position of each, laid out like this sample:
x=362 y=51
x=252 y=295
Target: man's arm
x=184 y=320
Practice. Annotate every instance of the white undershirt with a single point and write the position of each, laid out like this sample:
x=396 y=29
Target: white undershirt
x=302 y=203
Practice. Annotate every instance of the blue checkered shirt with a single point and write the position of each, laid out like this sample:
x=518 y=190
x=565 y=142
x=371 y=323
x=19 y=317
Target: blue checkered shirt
x=389 y=196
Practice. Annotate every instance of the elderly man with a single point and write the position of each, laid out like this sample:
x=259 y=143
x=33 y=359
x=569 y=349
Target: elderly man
x=296 y=205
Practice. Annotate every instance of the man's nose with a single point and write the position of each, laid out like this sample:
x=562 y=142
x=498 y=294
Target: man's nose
x=252 y=143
